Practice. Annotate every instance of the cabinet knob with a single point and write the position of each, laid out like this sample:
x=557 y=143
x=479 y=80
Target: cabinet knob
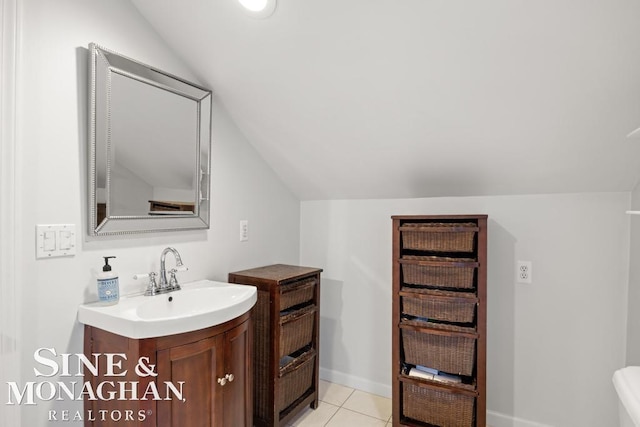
x=230 y=377
x=222 y=381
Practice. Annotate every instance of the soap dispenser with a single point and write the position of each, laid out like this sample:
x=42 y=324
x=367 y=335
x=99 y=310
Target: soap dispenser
x=108 y=286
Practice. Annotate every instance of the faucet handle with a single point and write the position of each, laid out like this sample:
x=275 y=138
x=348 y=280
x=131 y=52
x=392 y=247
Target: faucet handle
x=173 y=280
x=152 y=276
x=152 y=287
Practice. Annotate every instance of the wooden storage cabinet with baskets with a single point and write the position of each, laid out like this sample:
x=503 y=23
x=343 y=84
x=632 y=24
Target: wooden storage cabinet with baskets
x=287 y=319
x=439 y=320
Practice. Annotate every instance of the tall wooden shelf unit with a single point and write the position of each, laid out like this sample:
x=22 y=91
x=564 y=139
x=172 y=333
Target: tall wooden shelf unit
x=287 y=330
x=439 y=320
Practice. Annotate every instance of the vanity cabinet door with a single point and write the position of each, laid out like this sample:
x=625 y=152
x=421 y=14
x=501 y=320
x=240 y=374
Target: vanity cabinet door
x=238 y=396
x=213 y=364
x=199 y=365
x=217 y=381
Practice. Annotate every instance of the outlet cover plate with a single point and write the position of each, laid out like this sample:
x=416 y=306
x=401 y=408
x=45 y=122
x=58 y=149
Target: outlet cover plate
x=244 y=230
x=524 y=272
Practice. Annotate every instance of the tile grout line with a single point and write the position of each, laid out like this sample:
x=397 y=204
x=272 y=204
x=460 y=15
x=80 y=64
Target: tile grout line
x=344 y=401
x=387 y=421
x=362 y=413
x=353 y=390
x=339 y=407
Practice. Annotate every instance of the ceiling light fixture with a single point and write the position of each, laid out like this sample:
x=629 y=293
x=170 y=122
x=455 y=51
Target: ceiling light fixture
x=259 y=8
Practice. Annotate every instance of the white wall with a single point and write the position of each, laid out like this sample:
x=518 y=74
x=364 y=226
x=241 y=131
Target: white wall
x=50 y=188
x=633 y=322
x=552 y=345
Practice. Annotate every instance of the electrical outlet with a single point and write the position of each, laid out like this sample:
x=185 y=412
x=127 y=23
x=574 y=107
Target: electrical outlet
x=524 y=272
x=244 y=230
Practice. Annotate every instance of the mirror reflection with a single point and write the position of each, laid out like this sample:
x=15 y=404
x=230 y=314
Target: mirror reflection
x=150 y=148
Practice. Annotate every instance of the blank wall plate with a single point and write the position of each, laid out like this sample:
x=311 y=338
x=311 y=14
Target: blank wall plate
x=524 y=272
x=55 y=240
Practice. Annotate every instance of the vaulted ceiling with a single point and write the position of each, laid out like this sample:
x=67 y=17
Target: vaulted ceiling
x=418 y=98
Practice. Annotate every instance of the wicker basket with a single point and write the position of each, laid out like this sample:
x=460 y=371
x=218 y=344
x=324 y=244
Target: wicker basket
x=295 y=379
x=262 y=345
x=439 y=271
x=449 y=352
x=437 y=406
x=439 y=237
x=297 y=293
x=296 y=329
x=438 y=305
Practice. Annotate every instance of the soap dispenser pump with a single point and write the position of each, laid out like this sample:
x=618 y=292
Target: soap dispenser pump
x=108 y=286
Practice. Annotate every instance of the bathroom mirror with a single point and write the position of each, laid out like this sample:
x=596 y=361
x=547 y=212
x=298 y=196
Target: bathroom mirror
x=149 y=148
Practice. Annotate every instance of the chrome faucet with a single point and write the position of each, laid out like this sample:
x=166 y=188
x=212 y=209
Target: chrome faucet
x=172 y=285
x=164 y=286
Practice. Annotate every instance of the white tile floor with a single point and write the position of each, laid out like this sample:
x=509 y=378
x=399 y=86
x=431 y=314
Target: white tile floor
x=342 y=406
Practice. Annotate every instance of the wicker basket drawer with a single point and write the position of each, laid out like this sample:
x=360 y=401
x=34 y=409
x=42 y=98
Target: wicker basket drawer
x=437 y=406
x=296 y=329
x=295 y=379
x=457 y=273
x=439 y=237
x=439 y=305
x=442 y=350
x=297 y=292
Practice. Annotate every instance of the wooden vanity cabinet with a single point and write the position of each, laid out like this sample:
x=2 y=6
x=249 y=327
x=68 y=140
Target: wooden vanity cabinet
x=214 y=364
x=286 y=322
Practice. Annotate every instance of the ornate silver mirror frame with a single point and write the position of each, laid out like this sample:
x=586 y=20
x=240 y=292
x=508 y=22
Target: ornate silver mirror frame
x=149 y=148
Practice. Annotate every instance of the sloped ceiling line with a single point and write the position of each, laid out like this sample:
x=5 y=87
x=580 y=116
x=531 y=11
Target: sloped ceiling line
x=419 y=98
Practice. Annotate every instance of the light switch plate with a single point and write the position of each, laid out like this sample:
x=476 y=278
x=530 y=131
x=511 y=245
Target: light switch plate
x=55 y=240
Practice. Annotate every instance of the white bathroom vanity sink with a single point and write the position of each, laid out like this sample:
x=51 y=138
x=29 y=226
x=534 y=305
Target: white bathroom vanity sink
x=197 y=305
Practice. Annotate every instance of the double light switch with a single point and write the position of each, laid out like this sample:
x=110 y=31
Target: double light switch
x=55 y=240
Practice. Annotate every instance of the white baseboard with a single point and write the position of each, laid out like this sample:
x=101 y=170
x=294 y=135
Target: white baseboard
x=496 y=419
x=358 y=383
